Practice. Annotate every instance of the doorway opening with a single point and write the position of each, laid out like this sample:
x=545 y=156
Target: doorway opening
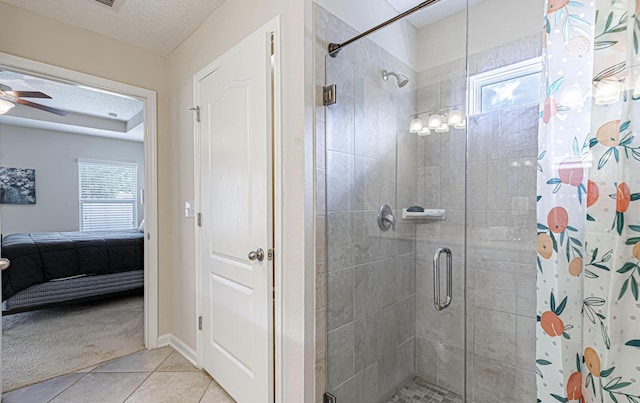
x=118 y=193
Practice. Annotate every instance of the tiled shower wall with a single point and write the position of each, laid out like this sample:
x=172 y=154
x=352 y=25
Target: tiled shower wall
x=501 y=230
x=370 y=274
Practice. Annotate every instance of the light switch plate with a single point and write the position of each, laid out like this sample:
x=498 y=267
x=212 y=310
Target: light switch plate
x=189 y=209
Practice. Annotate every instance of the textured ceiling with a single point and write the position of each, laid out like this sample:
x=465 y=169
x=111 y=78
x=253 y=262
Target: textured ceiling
x=156 y=25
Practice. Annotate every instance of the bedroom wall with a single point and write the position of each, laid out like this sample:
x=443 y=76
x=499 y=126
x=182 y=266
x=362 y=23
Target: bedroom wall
x=54 y=157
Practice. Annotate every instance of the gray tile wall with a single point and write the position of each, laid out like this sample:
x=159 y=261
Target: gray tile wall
x=369 y=274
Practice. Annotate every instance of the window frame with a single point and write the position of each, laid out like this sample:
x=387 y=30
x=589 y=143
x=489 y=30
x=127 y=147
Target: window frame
x=499 y=75
x=134 y=201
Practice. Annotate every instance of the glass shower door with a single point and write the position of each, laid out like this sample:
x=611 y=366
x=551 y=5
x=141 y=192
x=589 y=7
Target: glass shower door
x=386 y=341
x=501 y=199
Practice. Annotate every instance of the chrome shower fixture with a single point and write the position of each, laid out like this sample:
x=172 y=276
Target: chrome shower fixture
x=402 y=79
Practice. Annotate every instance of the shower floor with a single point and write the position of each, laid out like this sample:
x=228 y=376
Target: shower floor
x=421 y=391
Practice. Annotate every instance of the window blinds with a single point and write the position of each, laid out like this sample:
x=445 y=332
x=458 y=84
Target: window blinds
x=108 y=195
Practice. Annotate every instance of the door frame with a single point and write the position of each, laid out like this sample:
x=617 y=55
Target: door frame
x=150 y=170
x=273 y=27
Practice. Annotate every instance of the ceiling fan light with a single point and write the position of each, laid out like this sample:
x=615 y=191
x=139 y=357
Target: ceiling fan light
x=5 y=106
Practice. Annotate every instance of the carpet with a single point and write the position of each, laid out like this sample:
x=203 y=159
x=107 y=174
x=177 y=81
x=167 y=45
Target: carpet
x=43 y=344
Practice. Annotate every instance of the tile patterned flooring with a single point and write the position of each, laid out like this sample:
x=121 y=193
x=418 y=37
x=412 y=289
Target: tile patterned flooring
x=420 y=391
x=164 y=376
x=149 y=376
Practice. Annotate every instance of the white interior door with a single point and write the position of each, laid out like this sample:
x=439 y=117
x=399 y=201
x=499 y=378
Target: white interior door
x=236 y=201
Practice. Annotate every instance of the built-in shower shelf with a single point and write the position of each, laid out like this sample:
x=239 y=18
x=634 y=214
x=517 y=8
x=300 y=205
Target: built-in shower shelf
x=432 y=214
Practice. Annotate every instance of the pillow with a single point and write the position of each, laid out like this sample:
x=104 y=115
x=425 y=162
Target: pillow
x=141 y=227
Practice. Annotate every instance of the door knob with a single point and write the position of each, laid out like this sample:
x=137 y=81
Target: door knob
x=257 y=255
x=4 y=263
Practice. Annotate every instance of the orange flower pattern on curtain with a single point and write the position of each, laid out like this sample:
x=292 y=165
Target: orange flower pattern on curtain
x=588 y=245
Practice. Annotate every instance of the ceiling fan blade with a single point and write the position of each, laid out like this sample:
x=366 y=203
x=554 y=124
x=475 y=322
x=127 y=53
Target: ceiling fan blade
x=27 y=94
x=42 y=107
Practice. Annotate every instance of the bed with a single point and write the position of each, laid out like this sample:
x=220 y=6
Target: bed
x=64 y=267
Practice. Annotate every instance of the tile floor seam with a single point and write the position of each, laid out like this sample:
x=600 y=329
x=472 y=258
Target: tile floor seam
x=205 y=391
x=163 y=361
x=137 y=387
x=73 y=383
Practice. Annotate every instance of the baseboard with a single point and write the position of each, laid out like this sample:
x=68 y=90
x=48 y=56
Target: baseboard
x=180 y=346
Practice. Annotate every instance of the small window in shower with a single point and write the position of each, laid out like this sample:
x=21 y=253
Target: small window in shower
x=507 y=87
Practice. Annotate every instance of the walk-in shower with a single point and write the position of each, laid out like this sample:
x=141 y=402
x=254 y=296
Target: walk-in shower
x=442 y=306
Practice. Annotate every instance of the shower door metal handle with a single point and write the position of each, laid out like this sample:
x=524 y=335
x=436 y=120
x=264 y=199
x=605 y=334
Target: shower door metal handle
x=436 y=279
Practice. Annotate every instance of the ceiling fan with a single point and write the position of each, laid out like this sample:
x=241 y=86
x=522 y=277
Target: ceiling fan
x=11 y=98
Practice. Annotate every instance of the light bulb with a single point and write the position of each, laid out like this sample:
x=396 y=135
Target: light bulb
x=5 y=106
x=572 y=97
x=416 y=125
x=636 y=89
x=443 y=128
x=424 y=132
x=435 y=121
x=455 y=117
x=607 y=92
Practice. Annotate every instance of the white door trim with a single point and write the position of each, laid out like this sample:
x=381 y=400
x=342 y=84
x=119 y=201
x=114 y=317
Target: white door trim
x=150 y=171
x=272 y=26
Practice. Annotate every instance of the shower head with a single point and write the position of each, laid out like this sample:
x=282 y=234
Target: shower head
x=402 y=79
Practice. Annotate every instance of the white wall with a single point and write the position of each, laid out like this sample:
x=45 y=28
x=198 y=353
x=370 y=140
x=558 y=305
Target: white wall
x=491 y=23
x=54 y=156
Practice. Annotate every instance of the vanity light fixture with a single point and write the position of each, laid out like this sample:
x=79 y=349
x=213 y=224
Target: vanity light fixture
x=440 y=121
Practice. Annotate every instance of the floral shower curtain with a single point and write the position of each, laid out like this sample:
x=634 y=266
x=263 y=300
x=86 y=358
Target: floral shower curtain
x=588 y=244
